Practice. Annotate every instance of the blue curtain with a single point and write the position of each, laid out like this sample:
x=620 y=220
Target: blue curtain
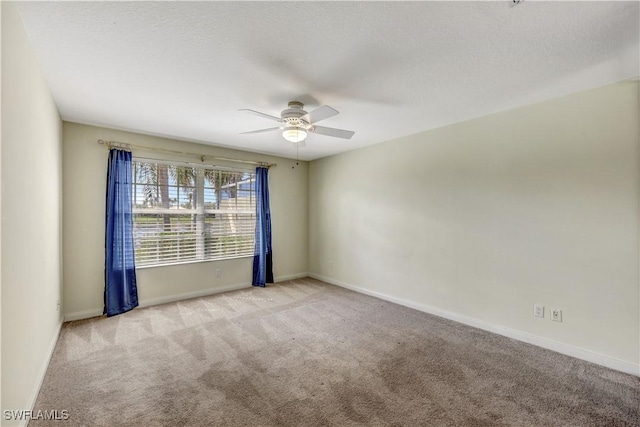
x=262 y=256
x=120 y=290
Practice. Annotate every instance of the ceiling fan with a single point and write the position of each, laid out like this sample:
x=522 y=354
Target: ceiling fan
x=296 y=123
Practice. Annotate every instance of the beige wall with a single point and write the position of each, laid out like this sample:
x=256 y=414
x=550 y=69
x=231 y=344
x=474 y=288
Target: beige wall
x=480 y=220
x=85 y=163
x=31 y=218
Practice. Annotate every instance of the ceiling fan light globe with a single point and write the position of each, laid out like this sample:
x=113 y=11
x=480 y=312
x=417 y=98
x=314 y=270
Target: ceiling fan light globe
x=294 y=134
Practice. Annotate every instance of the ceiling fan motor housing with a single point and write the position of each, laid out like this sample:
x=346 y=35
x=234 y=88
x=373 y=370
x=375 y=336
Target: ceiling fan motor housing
x=291 y=116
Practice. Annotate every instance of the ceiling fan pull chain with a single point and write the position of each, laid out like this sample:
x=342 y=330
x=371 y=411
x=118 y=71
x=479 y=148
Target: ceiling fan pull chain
x=293 y=167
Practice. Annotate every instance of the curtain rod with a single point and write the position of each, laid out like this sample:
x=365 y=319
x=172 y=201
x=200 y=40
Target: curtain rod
x=126 y=146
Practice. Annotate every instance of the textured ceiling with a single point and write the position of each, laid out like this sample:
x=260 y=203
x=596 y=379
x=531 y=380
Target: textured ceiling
x=183 y=69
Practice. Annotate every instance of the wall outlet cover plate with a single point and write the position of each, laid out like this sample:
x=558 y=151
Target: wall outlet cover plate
x=538 y=310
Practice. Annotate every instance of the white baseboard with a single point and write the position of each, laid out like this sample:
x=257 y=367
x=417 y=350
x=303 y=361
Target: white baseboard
x=278 y=279
x=196 y=294
x=95 y=312
x=567 y=349
x=86 y=314
x=42 y=372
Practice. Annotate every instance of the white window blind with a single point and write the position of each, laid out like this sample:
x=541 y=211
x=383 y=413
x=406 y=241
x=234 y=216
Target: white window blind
x=186 y=214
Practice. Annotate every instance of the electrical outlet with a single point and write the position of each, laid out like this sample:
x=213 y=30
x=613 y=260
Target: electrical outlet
x=218 y=272
x=556 y=315
x=538 y=310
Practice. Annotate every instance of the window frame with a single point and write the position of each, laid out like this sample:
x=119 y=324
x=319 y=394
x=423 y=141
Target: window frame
x=199 y=213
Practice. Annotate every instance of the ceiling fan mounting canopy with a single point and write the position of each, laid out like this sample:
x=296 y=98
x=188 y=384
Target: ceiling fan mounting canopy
x=296 y=123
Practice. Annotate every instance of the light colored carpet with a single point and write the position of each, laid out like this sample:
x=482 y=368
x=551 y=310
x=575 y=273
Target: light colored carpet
x=306 y=353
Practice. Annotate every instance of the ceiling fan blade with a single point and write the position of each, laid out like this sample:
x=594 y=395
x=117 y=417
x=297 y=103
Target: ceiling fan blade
x=338 y=133
x=320 y=113
x=258 y=113
x=261 y=130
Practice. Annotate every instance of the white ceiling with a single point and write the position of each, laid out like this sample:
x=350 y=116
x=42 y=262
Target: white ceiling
x=183 y=69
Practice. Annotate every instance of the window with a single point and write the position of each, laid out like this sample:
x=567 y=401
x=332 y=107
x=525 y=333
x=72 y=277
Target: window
x=187 y=213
